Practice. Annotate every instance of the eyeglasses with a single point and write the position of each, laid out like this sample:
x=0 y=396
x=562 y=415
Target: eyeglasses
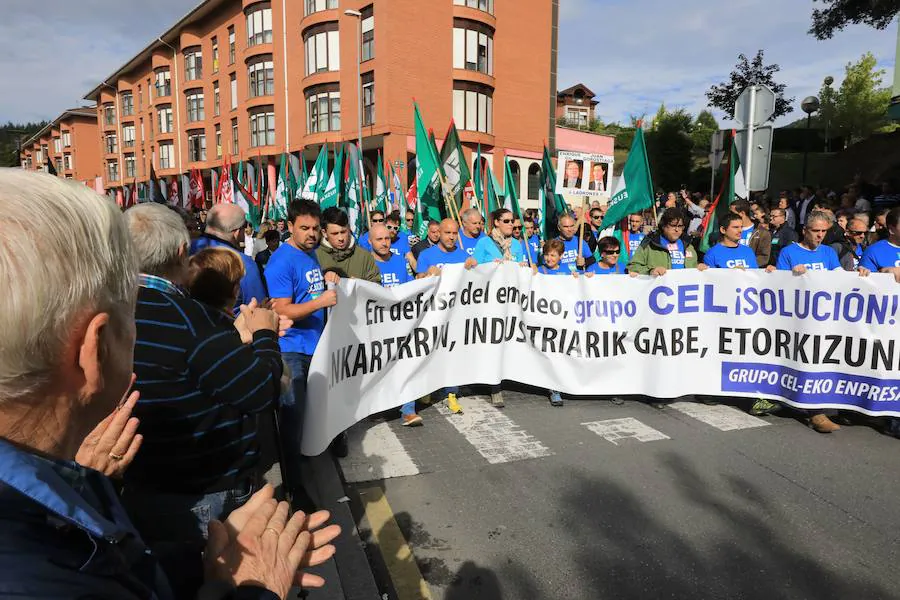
x=851 y=232
x=506 y=221
x=393 y=228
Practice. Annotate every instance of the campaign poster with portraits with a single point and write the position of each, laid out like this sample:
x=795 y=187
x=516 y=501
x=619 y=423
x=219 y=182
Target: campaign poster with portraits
x=583 y=174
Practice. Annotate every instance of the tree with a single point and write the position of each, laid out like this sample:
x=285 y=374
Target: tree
x=840 y=13
x=10 y=135
x=705 y=125
x=669 y=148
x=746 y=73
x=859 y=107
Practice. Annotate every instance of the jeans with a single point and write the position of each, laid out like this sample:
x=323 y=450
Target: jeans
x=408 y=409
x=175 y=527
x=444 y=392
x=292 y=407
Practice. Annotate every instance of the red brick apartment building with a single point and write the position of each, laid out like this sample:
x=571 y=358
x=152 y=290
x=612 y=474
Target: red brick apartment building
x=249 y=78
x=71 y=144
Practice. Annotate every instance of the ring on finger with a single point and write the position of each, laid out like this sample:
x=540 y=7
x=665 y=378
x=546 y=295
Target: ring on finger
x=273 y=530
x=115 y=456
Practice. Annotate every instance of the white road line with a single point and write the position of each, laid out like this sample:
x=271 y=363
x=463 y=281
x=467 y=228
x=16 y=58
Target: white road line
x=375 y=453
x=723 y=418
x=494 y=435
x=616 y=430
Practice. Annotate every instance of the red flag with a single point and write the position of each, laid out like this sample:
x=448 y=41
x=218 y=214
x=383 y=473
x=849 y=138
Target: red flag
x=412 y=195
x=196 y=193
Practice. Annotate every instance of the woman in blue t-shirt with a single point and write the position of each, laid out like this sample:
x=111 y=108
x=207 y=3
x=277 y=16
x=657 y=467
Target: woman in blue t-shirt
x=500 y=245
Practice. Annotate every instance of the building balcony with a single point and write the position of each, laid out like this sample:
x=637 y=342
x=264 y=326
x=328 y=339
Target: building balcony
x=474 y=14
x=316 y=18
x=474 y=77
x=476 y=137
x=254 y=102
x=320 y=78
x=251 y=51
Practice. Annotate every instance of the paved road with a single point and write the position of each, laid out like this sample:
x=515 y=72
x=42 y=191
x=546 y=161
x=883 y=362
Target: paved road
x=594 y=500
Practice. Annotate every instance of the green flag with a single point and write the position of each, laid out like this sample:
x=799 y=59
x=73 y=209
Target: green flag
x=634 y=190
x=315 y=183
x=278 y=210
x=512 y=204
x=331 y=194
x=428 y=182
x=381 y=191
x=453 y=161
x=552 y=204
x=478 y=183
x=353 y=197
x=722 y=203
x=304 y=175
x=494 y=192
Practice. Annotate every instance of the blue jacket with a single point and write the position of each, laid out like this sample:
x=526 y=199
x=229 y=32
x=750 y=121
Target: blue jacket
x=64 y=534
x=252 y=285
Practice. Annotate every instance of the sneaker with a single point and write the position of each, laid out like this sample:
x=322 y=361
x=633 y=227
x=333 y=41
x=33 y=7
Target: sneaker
x=658 y=405
x=555 y=399
x=453 y=405
x=764 y=407
x=823 y=424
x=617 y=401
x=412 y=420
x=497 y=400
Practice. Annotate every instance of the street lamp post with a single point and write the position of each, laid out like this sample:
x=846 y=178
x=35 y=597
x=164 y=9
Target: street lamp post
x=358 y=16
x=828 y=81
x=809 y=105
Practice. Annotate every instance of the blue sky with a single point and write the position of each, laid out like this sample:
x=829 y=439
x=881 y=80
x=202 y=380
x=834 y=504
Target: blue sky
x=634 y=54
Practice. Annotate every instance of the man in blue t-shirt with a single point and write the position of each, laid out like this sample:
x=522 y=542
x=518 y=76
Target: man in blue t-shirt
x=884 y=256
x=393 y=273
x=571 y=259
x=472 y=231
x=445 y=252
x=810 y=254
x=531 y=245
x=298 y=292
x=730 y=253
x=636 y=233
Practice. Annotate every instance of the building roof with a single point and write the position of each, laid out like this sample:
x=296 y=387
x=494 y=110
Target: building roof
x=81 y=111
x=578 y=86
x=166 y=40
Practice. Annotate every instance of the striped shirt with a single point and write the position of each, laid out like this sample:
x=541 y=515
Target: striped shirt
x=203 y=394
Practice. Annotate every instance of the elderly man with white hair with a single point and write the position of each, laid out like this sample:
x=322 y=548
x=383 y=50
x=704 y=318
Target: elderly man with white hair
x=225 y=227
x=67 y=336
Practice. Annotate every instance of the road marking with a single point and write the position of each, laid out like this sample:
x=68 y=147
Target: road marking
x=616 y=430
x=494 y=435
x=375 y=453
x=398 y=557
x=723 y=418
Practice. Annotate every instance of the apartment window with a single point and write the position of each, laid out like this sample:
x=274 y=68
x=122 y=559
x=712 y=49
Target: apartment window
x=110 y=143
x=58 y=165
x=215 y=54
x=194 y=100
x=234 y=136
x=259 y=24
x=473 y=46
x=109 y=114
x=112 y=170
x=163 y=83
x=313 y=6
x=166 y=155
x=127 y=104
x=216 y=98
x=368 y=33
x=196 y=145
x=485 y=5
x=128 y=136
x=67 y=162
x=218 y=141
x=234 y=99
x=57 y=145
x=140 y=94
x=38 y=158
x=165 y=118
x=143 y=135
x=262 y=127
x=577 y=116
x=322 y=44
x=193 y=64
x=323 y=112
x=368 y=96
x=129 y=165
x=66 y=139
x=473 y=107
x=261 y=74
x=231 y=49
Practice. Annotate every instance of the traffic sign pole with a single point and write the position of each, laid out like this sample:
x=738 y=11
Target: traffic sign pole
x=750 y=127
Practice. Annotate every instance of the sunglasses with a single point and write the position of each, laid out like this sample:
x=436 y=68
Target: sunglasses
x=612 y=252
x=851 y=232
x=378 y=220
x=595 y=217
x=506 y=221
x=393 y=228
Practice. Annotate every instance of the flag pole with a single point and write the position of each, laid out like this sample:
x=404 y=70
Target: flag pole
x=581 y=229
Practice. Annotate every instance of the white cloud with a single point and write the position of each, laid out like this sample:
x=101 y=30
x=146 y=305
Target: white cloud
x=635 y=55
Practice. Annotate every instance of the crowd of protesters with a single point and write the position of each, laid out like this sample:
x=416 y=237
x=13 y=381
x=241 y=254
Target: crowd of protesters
x=213 y=325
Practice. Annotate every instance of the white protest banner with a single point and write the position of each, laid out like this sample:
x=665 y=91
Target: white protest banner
x=582 y=174
x=821 y=340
